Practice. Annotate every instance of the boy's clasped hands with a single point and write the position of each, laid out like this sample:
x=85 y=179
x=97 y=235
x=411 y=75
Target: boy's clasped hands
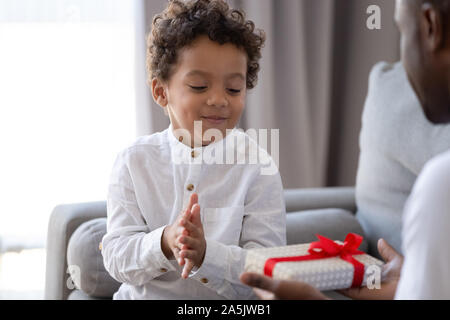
x=184 y=239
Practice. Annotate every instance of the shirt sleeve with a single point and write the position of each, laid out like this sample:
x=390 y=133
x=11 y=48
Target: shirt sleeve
x=264 y=225
x=131 y=252
x=426 y=223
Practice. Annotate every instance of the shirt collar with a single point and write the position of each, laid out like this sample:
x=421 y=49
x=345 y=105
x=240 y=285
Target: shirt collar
x=174 y=142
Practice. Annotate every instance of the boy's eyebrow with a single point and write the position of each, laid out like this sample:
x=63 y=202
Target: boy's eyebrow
x=203 y=73
x=236 y=74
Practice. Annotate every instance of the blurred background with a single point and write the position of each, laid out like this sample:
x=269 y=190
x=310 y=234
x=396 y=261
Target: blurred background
x=73 y=93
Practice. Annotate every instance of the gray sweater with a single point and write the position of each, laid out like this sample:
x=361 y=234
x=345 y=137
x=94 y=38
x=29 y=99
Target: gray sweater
x=396 y=141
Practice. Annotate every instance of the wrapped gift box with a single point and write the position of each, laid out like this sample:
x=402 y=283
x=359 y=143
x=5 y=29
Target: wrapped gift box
x=324 y=273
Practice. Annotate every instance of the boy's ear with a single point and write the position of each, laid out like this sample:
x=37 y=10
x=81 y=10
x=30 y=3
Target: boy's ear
x=159 y=92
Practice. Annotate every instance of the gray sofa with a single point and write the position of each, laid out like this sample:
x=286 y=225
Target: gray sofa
x=74 y=267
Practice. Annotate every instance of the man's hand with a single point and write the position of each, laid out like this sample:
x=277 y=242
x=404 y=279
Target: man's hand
x=390 y=275
x=169 y=244
x=270 y=289
x=193 y=243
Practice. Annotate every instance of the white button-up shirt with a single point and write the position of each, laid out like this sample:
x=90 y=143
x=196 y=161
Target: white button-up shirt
x=150 y=185
x=426 y=235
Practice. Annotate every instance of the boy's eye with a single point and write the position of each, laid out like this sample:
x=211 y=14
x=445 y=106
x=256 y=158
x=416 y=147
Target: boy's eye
x=234 y=91
x=198 y=88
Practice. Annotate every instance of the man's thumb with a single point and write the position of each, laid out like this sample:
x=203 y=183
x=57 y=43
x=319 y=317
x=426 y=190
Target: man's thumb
x=386 y=251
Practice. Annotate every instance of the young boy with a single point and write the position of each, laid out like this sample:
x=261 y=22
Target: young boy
x=178 y=227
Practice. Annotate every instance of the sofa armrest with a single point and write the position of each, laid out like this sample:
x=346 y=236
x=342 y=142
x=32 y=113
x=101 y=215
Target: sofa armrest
x=63 y=222
x=320 y=198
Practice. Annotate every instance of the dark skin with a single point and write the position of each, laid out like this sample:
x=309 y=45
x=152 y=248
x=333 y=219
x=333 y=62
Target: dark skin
x=425 y=54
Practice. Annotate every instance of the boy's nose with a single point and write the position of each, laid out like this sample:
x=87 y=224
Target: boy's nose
x=217 y=99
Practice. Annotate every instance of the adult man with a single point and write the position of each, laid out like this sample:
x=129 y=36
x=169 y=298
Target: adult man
x=423 y=273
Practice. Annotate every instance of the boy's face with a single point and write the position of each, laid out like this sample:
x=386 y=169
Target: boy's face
x=207 y=84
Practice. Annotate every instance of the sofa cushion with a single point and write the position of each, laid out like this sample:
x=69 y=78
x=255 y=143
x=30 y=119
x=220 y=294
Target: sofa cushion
x=85 y=258
x=302 y=226
x=80 y=295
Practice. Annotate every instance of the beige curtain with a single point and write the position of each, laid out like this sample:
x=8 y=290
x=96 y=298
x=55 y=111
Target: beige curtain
x=150 y=117
x=312 y=83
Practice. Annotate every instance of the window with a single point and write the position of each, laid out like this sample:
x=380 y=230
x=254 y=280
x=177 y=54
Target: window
x=67 y=106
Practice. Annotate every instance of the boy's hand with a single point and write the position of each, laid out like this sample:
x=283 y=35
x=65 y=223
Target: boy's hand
x=193 y=243
x=169 y=245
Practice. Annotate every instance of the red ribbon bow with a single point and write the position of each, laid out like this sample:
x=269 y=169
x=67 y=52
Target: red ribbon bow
x=327 y=248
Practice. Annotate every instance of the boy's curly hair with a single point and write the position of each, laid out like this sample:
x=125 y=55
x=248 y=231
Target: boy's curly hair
x=183 y=21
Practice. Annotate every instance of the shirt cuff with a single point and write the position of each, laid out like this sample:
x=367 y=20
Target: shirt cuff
x=153 y=257
x=211 y=272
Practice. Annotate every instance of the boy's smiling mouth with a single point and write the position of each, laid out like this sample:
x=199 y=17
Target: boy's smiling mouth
x=214 y=119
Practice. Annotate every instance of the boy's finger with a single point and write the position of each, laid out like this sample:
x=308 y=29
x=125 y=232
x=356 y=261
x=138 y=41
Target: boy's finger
x=179 y=245
x=176 y=253
x=182 y=246
x=195 y=215
x=183 y=215
x=190 y=227
x=188 y=254
x=179 y=231
x=188 y=241
x=186 y=212
x=187 y=268
x=193 y=199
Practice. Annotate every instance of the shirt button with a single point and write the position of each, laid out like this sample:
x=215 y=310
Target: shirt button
x=204 y=280
x=163 y=270
x=100 y=246
x=190 y=187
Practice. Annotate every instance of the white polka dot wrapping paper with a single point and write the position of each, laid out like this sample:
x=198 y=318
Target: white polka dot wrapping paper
x=324 y=274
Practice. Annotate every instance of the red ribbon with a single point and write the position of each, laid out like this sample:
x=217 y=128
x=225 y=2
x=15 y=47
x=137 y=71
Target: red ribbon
x=327 y=248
